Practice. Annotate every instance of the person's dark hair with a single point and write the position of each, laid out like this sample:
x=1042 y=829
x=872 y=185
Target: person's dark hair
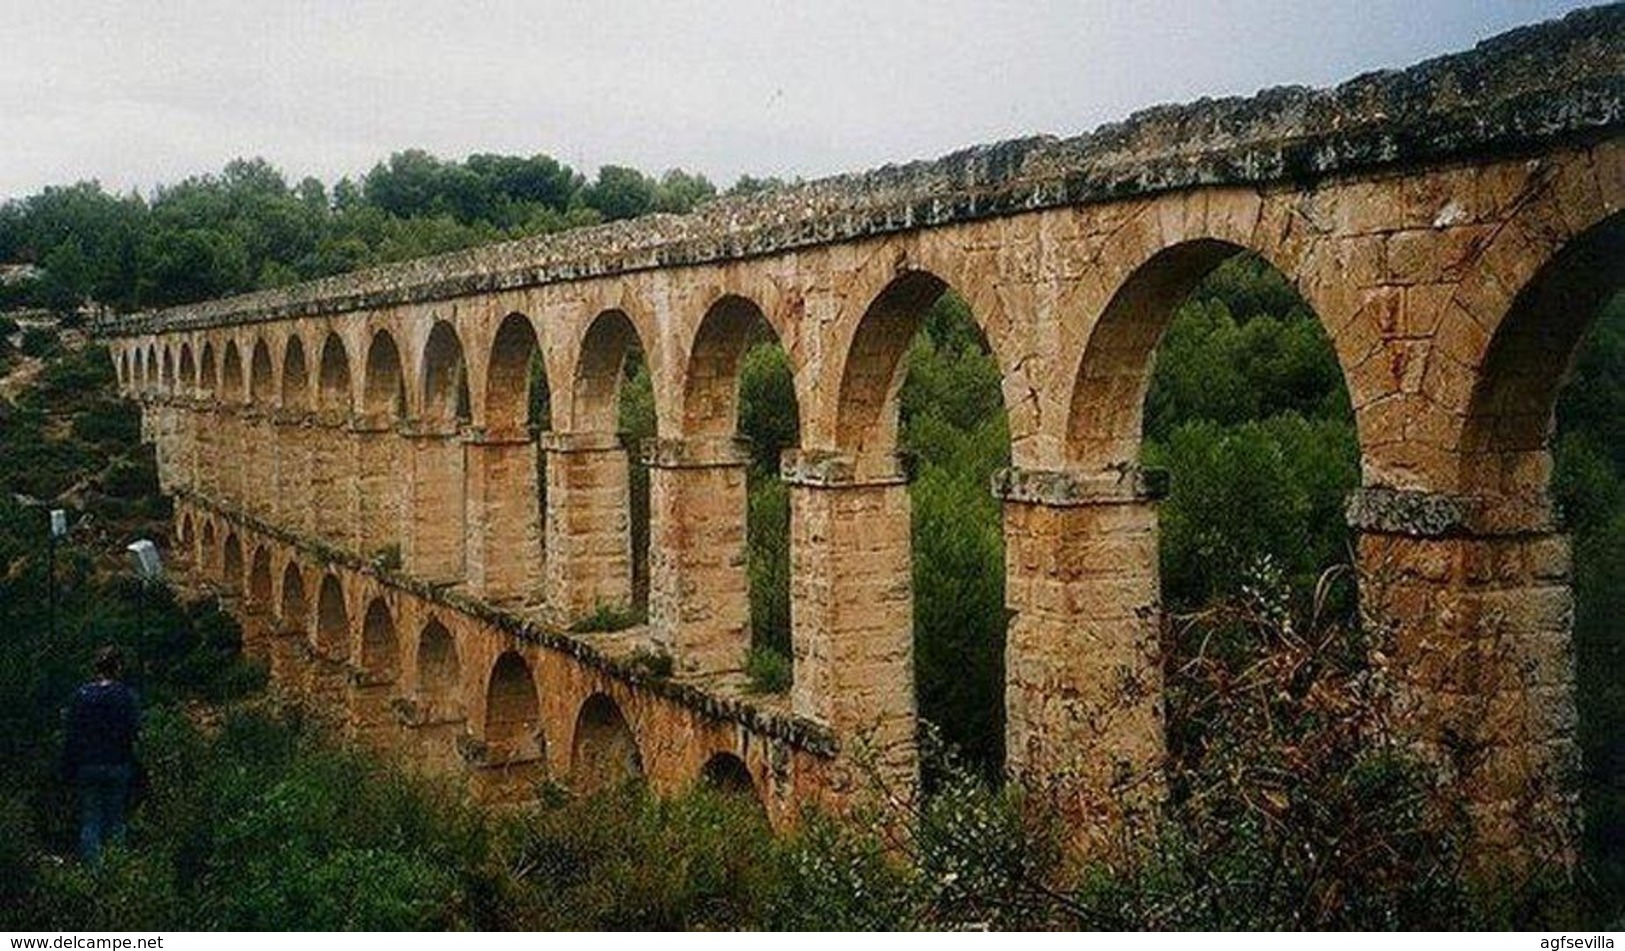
x=109 y=663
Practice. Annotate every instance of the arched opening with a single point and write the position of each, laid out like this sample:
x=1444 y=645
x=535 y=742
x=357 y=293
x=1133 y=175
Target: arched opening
x=152 y=368
x=604 y=754
x=436 y=534
x=169 y=370
x=334 y=466
x=208 y=552
x=439 y=670
x=231 y=570
x=261 y=377
x=334 y=382
x=614 y=395
x=445 y=377
x=517 y=408
x=921 y=384
x=294 y=611
x=124 y=369
x=1506 y=444
x=512 y=380
x=512 y=713
x=295 y=377
x=382 y=497
x=293 y=625
x=739 y=384
x=1209 y=364
x=259 y=580
x=188 y=370
x=208 y=374
x=384 y=391
x=1211 y=379
x=295 y=487
x=231 y=375
x=1542 y=475
x=380 y=652
x=332 y=621
x=727 y=773
x=140 y=382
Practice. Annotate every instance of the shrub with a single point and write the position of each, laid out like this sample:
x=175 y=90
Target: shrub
x=769 y=670
x=38 y=341
x=606 y=618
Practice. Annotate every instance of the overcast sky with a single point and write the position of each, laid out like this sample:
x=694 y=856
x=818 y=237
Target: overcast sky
x=140 y=93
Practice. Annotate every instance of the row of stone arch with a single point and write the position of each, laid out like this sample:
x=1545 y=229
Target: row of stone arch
x=346 y=645
x=1453 y=297
x=433 y=380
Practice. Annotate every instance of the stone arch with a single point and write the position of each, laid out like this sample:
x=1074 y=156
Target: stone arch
x=152 y=367
x=208 y=379
x=600 y=367
x=231 y=563
x=259 y=579
x=295 y=376
x=1109 y=387
x=124 y=368
x=712 y=600
x=261 y=374
x=333 y=383
x=332 y=620
x=380 y=648
x=865 y=616
x=231 y=374
x=1505 y=459
x=727 y=773
x=444 y=376
x=183 y=532
x=730 y=327
x=169 y=370
x=140 y=379
x=512 y=710
x=294 y=607
x=188 y=368
x=384 y=386
x=514 y=350
x=867 y=411
x=439 y=668
x=1086 y=547
x=604 y=753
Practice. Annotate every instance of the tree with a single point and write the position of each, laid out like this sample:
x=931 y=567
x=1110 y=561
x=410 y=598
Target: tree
x=620 y=192
x=680 y=192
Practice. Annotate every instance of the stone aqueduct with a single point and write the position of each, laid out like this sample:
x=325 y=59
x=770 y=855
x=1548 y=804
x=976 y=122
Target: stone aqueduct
x=1455 y=226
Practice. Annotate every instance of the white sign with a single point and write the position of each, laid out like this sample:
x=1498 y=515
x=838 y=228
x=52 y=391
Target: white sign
x=147 y=563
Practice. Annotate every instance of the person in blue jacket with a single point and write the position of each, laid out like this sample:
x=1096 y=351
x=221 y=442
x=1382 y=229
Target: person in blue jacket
x=99 y=755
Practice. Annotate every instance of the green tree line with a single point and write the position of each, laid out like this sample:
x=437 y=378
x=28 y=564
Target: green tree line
x=248 y=227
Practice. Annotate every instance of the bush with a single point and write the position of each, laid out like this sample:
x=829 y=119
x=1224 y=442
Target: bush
x=769 y=670
x=38 y=341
